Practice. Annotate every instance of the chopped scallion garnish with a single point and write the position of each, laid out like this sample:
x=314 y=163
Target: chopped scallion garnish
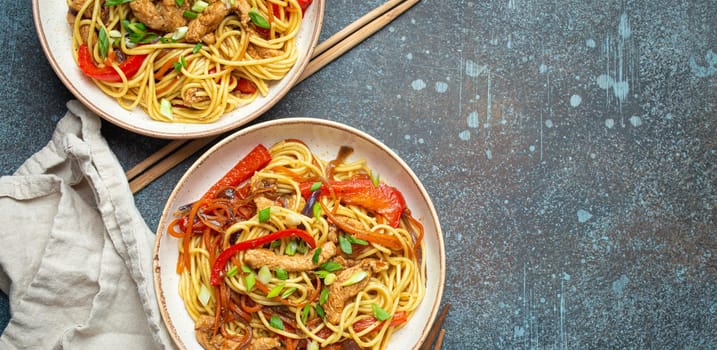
x=315 y=186
x=264 y=275
x=380 y=313
x=331 y=266
x=190 y=14
x=324 y=296
x=317 y=210
x=179 y=2
x=197 y=48
x=233 y=271
x=116 y=2
x=355 y=278
x=103 y=42
x=249 y=281
x=165 y=108
x=265 y=214
x=288 y=292
x=282 y=274
x=199 y=6
x=375 y=178
x=204 y=294
x=317 y=255
x=258 y=19
x=345 y=245
x=276 y=322
x=275 y=291
x=320 y=311
x=291 y=248
x=305 y=313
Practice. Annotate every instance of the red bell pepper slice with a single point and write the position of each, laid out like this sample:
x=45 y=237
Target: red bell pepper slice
x=256 y=159
x=304 y=4
x=228 y=253
x=129 y=66
x=382 y=199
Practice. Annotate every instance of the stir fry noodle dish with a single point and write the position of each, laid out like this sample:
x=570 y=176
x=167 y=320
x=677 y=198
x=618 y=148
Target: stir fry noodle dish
x=188 y=61
x=290 y=251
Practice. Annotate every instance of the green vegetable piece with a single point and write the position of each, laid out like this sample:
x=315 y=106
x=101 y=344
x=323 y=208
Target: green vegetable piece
x=345 y=245
x=380 y=313
x=288 y=292
x=233 y=271
x=317 y=255
x=250 y=281
x=265 y=214
x=315 y=186
x=275 y=291
x=282 y=274
x=276 y=322
x=355 y=278
x=258 y=19
x=103 y=42
x=324 y=296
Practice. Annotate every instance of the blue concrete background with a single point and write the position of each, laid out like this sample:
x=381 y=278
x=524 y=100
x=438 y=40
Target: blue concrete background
x=570 y=149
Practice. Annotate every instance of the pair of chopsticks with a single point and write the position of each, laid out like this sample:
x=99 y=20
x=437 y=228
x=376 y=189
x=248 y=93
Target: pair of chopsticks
x=434 y=340
x=177 y=151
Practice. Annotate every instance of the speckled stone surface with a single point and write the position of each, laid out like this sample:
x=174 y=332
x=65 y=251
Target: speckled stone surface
x=570 y=149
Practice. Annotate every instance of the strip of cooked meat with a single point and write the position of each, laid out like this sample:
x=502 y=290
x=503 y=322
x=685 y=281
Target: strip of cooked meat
x=259 y=52
x=164 y=16
x=259 y=257
x=207 y=21
x=339 y=294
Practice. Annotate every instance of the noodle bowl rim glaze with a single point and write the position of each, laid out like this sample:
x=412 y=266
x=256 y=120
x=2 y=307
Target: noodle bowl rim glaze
x=324 y=139
x=55 y=36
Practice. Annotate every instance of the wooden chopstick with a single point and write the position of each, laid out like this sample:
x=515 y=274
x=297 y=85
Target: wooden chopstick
x=323 y=54
x=435 y=335
x=356 y=37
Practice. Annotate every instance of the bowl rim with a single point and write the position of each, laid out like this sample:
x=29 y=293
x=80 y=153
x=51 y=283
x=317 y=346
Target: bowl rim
x=159 y=290
x=127 y=125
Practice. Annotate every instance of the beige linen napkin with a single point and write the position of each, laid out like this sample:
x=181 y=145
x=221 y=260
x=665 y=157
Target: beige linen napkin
x=75 y=254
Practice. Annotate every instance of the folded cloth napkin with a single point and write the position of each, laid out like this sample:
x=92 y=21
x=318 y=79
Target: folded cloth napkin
x=75 y=254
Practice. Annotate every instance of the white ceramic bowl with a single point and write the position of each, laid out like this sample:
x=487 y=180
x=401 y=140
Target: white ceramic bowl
x=56 y=39
x=324 y=138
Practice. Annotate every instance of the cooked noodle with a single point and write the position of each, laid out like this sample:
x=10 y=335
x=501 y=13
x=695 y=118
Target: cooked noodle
x=233 y=216
x=200 y=80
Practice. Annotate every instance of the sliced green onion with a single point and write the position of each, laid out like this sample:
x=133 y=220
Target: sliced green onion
x=233 y=271
x=177 y=66
x=264 y=275
x=165 y=108
x=249 y=281
x=276 y=322
x=258 y=19
x=355 y=278
x=305 y=313
x=317 y=210
x=345 y=245
x=324 y=296
x=103 y=42
x=375 y=177
x=180 y=33
x=380 y=313
x=246 y=269
x=290 y=248
x=322 y=273
x=355 y=240
x=313 y=345
x=114 y=33
x=265 y=214
x=288 y=292
x=190 y=14
x=179 y=2
x=317 y=255
x=330 y=278
x=320 y=311
x=331 y=266
x=204 y=294
x=282 y=274
x=199 y=6
x=315 y=186
x=197 y=48
x=302 y=248
x=275 y=291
